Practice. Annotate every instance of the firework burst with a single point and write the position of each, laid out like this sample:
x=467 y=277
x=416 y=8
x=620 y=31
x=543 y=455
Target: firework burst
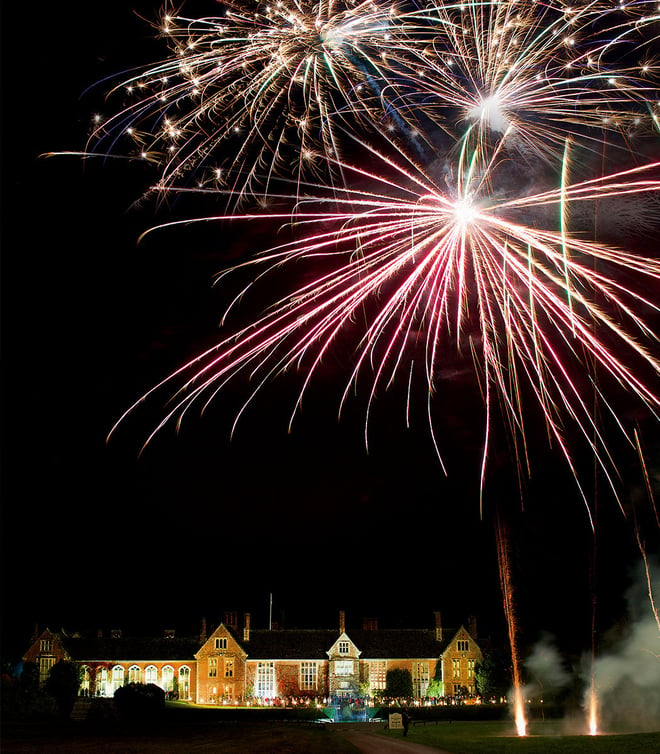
x=467 y=234
x=257 y=92
x=535 y=72
x=443 y=263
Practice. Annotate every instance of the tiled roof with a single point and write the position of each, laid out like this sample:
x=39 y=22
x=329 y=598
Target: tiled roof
x=290 y=644
x=287 y=644
x=398 y=643
x=131 y=648
x=381 y=644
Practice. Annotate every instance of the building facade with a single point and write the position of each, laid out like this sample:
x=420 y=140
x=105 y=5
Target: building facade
x=232 y=664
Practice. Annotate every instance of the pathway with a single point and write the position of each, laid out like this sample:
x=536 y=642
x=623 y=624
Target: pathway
x=372 y=743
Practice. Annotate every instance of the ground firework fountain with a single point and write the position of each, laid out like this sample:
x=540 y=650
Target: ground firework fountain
x=507 y=594
x=592 y=710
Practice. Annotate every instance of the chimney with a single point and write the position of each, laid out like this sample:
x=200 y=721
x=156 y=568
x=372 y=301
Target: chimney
x=438 y=625
x=231 y=619
x=472 y=626
x=35 y=635
x=342 y=621
x=370 y=624
x=246 y=627
x=202 y=631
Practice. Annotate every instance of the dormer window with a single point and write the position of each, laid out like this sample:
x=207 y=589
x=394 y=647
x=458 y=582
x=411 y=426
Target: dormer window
x=221 y=643
x=344 y=647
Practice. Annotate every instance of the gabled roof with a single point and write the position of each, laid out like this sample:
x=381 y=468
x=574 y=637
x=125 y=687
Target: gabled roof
x=136 y=648
x=207 y=646
x=334 y=648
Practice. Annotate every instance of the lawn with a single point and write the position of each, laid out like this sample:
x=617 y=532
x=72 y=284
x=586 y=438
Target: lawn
x=216 y=738
x=550 y=737
x=203 y=734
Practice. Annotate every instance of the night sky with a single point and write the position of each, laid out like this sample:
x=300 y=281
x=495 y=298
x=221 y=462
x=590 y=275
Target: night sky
x=95 y=536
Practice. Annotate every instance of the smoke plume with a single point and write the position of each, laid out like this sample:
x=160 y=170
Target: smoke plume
x=627 y=675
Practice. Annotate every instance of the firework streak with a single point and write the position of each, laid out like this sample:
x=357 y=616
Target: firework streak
x=488 y=129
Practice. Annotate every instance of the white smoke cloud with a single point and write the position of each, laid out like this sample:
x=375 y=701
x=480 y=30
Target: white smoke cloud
x=627 y=675
x=546 y=669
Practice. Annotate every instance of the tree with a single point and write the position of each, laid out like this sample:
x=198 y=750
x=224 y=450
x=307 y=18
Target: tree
x=492 y=675
x=436 y=688
x=62 y=684
x=398 y=683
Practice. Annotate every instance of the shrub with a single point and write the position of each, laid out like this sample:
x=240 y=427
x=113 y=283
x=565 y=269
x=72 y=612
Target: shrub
x=140 y=700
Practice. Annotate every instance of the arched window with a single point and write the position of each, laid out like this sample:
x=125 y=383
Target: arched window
x=101 y=682
x=134 y=674
x=167 y=678
x=117 y=677
x=151 y=674
x=85 y=681
x=184 y=682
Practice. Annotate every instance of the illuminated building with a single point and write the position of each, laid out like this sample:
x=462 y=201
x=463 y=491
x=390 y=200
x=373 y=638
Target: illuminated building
x=230 y=664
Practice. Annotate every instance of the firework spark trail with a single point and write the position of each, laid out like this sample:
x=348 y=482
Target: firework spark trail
x=638 y=537
x=266 y=99
x=434 y=263
x=537 y=71
x=263 y=92
x=506 y=584
x=264 y=87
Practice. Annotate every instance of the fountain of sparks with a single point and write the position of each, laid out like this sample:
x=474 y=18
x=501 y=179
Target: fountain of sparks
x=507 y=594
x=592 y=710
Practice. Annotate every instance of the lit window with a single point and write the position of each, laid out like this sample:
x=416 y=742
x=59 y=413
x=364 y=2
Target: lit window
x=134 y=674
x=101 y=682
x=46 y=646
x=117 y=678
x=184 y=682
x=343 y=647
x=151 y=674
x=265 y=686
x=168 y=678
x=221 y=643
x=45 y=664
x=470 y=668
x=229 y=668
x=378 y=675
x=344 y=667
x=213 y=667
x=85 y=681
x=456 y=668
x=420 y=678
x=308 y=676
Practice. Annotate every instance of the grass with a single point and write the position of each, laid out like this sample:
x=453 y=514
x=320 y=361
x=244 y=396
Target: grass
x=216 y=738
x=207 y=732
x=550 y=737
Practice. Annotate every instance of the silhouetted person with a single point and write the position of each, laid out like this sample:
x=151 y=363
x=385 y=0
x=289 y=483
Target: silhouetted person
x=405 y=719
